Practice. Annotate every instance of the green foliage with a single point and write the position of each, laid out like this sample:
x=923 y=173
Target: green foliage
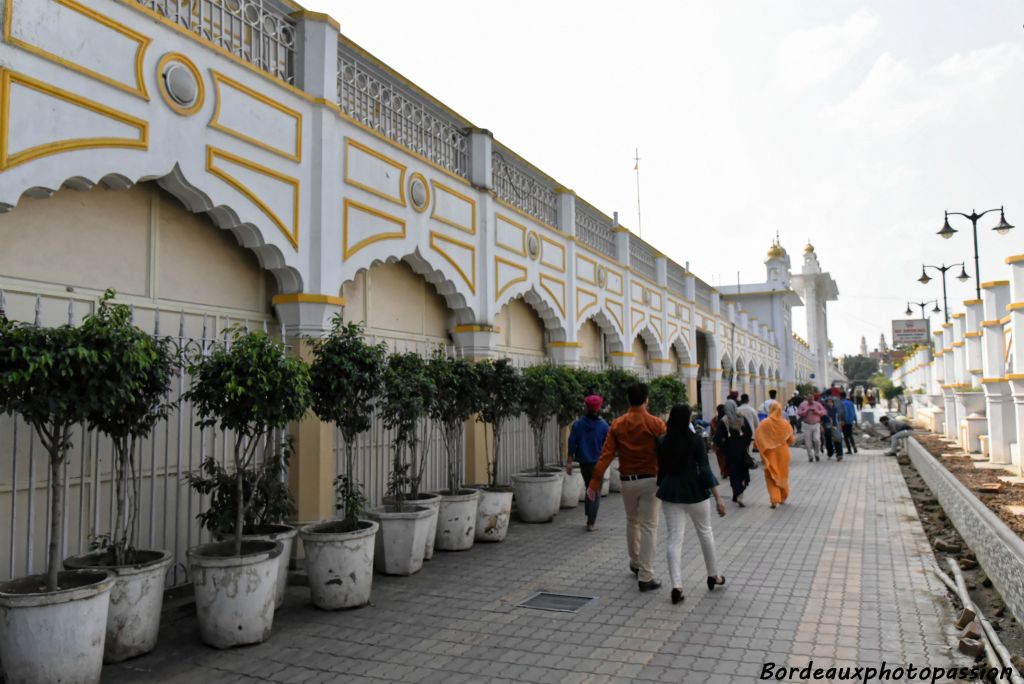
x=806 y=389
x=666 y=392
x=615 y=382
x=542 y=384
x=130 y=394
x=350 y=501
x=408 y=391
x=47 y=375
x=457 y=396
x=501 y=396
x=265 y=488
x=249 y=386
x=346 y=381
x=859 y=367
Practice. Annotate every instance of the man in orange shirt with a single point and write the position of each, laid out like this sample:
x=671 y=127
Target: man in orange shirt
x=633 y=437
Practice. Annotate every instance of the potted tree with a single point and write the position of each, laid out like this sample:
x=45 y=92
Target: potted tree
x=249 y=386
x=129 y=396
x=456 y=398
x=270 y=504
x=408 y=520
x=570 y=403
x=538 y=494
x=501 y=395
x=52 y=626
x=346 y=377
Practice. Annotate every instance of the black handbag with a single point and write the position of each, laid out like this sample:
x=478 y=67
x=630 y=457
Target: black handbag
x=751 y=463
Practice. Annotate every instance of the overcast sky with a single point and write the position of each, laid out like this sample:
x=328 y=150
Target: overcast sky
x=852 y=124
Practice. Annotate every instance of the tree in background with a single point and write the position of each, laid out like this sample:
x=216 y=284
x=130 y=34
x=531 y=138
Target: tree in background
x=859 y=368
x=666 y=392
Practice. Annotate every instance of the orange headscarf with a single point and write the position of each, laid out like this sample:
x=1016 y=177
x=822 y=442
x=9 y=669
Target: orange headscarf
x=774 y=431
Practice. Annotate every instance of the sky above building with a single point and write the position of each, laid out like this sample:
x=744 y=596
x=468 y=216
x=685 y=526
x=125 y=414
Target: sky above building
x=851 y=124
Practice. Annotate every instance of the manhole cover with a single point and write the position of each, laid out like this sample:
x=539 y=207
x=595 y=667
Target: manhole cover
x=561 y=603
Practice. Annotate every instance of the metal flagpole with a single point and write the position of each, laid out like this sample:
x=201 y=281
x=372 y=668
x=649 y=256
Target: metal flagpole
x=636 y=167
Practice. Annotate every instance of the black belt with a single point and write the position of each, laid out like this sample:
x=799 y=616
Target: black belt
x=634 y=477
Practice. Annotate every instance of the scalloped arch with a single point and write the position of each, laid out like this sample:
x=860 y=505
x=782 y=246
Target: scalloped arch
x=679 y=344
x=612 y=336
x=548 y=315
x=650 y=338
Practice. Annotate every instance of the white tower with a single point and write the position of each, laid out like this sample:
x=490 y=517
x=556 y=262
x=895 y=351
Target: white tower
x=817 y=288
x=863 y=346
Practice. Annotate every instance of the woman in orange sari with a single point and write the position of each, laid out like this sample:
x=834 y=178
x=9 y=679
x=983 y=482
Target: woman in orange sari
x=773 y=437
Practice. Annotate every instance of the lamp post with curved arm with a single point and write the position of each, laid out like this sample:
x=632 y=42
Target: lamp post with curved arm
x=924 y=280
x=922 y=305
x=947 y=232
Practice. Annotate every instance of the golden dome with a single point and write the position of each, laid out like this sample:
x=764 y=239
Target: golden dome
x=809 y=248
x=776 y=251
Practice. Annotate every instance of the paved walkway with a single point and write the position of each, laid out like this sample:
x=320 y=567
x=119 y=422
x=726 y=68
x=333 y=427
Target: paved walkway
x=843 y=576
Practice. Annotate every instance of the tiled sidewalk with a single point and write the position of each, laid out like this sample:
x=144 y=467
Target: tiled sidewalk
x=841 y=575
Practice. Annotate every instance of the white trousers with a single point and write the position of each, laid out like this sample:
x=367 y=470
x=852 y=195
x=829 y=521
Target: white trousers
x=675 y=517
x=812 y=439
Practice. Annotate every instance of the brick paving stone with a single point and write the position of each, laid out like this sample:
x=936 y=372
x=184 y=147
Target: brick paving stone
x=840 y=574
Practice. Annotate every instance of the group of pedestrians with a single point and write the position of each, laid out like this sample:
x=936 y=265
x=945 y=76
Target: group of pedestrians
x=827 y=424
x=664 y=467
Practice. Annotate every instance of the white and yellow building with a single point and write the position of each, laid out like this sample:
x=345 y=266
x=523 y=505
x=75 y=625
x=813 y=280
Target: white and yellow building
x=240 y=161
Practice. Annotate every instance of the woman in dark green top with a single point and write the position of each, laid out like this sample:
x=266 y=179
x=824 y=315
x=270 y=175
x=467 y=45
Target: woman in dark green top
x=685 y=487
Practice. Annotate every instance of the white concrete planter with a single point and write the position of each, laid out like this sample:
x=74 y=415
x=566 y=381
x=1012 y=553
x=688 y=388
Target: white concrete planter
x=286 y=535
x=615 y=481
x=581 y=484
x=606 y=483
x=339 y=563
x=401 y=539
x=57 y=636
x=570 y=490
x=136 y=599
x=456 y=521
x=537 y=496
x=235 y=594
x=431 y=501
x=493 y=511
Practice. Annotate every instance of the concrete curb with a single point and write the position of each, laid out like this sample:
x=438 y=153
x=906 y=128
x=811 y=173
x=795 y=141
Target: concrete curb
x=999 y=550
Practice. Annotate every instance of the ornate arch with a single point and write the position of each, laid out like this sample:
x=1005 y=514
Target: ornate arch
x=679 y=344
x=651 y=339
x=613 y=338
x=553 y=323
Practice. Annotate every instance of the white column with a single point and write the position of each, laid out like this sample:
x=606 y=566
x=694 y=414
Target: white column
x=998 y=395
x=1016 y=377
x=949 y=372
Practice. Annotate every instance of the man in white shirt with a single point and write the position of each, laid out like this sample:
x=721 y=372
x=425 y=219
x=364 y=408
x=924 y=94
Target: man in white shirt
x=747 y=412
x=768 y=402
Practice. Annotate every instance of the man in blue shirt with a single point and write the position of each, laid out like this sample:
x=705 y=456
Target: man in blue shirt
x=849 y=418
x=586 y=438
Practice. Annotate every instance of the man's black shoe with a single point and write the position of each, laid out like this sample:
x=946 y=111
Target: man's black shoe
x=649 y=586
x=635 y=570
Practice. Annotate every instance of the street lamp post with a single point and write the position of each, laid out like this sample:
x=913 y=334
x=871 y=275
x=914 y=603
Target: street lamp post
x=947 y=232
x=922 y=305
x=924 y=280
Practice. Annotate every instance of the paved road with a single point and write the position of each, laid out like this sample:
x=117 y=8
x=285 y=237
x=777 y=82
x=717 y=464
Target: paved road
x=841 y=576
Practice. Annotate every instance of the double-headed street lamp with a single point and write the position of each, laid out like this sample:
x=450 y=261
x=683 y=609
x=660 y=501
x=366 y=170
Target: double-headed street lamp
x=922 y=305
x=924 y=280
x=947 y=232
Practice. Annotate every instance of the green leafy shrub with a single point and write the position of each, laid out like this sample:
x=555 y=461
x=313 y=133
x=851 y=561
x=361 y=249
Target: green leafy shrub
x=501 y=395
x=457 y=396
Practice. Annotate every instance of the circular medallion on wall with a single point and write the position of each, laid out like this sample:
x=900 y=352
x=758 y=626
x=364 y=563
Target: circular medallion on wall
x=181 y=84
x=419 y=192
x=602 y=275
x=533 y=245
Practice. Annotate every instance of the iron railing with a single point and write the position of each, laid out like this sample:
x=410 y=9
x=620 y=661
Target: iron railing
x=702 y=296
x=676 y=278
x=260 y=32
x=595 y=230
x=641 y=259
x=524 y=189
x=375 y=99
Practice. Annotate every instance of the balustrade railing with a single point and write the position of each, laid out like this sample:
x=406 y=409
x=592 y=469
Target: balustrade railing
x=641 y=259
x=594 y=229
x=523 y=189
x=676 y=278
x=260 y=32
x=375 y=99
x=702 y=296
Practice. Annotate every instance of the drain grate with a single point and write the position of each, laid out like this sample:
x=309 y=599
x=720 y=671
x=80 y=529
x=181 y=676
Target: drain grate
x=560 y=603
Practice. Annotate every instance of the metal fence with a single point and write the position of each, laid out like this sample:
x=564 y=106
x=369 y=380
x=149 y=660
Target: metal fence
x=676 y=278
x=641 y=259
x=167 y=505
x=594 y=229
x=703 y=296
x=259 y=31
x=372 y=97
x=522 y=188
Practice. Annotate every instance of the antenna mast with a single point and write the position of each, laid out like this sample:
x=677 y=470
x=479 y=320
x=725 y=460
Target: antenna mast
x=636 y=167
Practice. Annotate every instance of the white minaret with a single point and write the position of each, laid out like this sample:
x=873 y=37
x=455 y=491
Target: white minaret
x=817 y=288
x=863 y=346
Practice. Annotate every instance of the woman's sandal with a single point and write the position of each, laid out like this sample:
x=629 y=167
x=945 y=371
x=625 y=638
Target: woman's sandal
x=713 y=582
x=677 y=596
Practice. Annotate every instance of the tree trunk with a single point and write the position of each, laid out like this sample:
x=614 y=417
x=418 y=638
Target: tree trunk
x=56 y=514
x=239 y=498
x=350 y=517
x=538 y=445
x=496 y=439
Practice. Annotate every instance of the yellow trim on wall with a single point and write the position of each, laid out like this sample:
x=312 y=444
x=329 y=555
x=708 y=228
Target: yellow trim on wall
x=560 y=267
x=972 y=302
x=622 y=354
x=348 y=250
x=470 y=279
x=454 y=193
x=1015 y=259
x=958 y=315
x=521 y=250
x=476 y=327
x=1015 y=306
x=957 y=345
x=1015 y=376
x=400 y=199
x=499 y=260
x=610 y=304
x=7 y=160
x=564 y=344
x=211 y=155
x=303 y=298
x=972 y=334
x=991 y=381
x=294 y=155
x=994 y=283
x=580 y=311
x=138 y=90
x=426 y=186
x=162 y=86
x=560 y=301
